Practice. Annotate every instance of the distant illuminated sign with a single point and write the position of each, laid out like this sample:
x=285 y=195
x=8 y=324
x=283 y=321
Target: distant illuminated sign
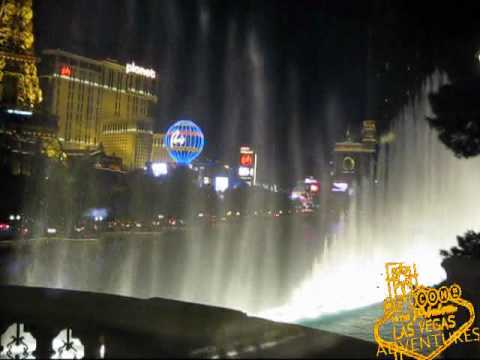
x=97 y=213
x=246 y=160
x=178 y=139
x=66 y=70
x=221 y=183
x=248 y=165
x=297 y=195
x=243 y=171
x=19 y=112
x=339 y=187
x=65 y=346
x=138 y=70
x=159 y=169
x=184 y=141
x=17 y=343
x=314 y=188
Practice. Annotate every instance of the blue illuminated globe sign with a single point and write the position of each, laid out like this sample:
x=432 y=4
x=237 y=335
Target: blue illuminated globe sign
x=184 y=141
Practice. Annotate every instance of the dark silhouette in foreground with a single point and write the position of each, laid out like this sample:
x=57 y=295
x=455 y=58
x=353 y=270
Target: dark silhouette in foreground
x=160 y=328
x=457 y=117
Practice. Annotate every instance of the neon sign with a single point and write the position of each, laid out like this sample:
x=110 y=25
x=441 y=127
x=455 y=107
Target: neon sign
x=184 y=141
x=248 y=165
x=138 y=70
x=246 y=160
x=19 y=112
x=159 y=169
x=221 y=183
x=66 y=70
x=314 y=188
x=244 y=171
x=339 y=187
x=177 y=138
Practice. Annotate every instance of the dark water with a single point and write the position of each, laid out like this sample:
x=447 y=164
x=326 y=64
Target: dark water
x=251 y=266
x=357 y=323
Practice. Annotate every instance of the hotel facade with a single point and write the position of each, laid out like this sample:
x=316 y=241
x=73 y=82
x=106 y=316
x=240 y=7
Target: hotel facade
x=101 y=102
x=355 y=159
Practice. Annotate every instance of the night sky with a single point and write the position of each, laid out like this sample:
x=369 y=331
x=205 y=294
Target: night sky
x=284 y=76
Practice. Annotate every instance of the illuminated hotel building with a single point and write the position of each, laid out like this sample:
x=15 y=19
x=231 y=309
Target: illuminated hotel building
x=100 y=102
x=354 y=159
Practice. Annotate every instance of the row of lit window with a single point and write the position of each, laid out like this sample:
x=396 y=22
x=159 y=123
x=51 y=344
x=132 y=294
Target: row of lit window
x=78 y=141
x=85 y=71
x=80 y=102
x=129 y=130
x=113 y=88
x=123 y=127
x=123 y=81
x=136 y=106
x=82 y=123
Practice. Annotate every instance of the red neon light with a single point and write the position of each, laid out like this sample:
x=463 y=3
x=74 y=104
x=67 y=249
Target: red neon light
x=246 y=160
x=66 y=70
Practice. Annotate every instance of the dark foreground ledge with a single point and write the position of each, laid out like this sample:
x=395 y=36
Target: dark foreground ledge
x=465 y=272
x=134 y=328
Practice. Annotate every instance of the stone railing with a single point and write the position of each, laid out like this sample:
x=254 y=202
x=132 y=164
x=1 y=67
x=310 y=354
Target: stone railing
x=48 y=323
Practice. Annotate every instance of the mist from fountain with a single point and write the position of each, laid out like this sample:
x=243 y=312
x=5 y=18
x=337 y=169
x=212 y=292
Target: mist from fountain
x=423 y=198
x=251 y=266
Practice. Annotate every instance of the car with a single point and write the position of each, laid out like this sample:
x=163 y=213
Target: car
x=7 y=232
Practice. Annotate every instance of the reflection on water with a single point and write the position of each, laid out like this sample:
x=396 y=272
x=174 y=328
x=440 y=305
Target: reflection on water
x=250 y=266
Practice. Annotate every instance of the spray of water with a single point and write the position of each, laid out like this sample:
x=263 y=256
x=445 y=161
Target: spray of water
x=424 y=197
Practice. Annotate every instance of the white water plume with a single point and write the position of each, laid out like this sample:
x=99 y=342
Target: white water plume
x=423 y=199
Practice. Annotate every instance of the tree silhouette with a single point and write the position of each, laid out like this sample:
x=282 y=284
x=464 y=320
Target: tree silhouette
x=468 y=246
x=457 y=120
x=457 y=117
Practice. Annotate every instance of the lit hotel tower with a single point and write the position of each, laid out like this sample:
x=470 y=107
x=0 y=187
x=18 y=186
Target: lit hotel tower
x=101 y=102
x=19 y=84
